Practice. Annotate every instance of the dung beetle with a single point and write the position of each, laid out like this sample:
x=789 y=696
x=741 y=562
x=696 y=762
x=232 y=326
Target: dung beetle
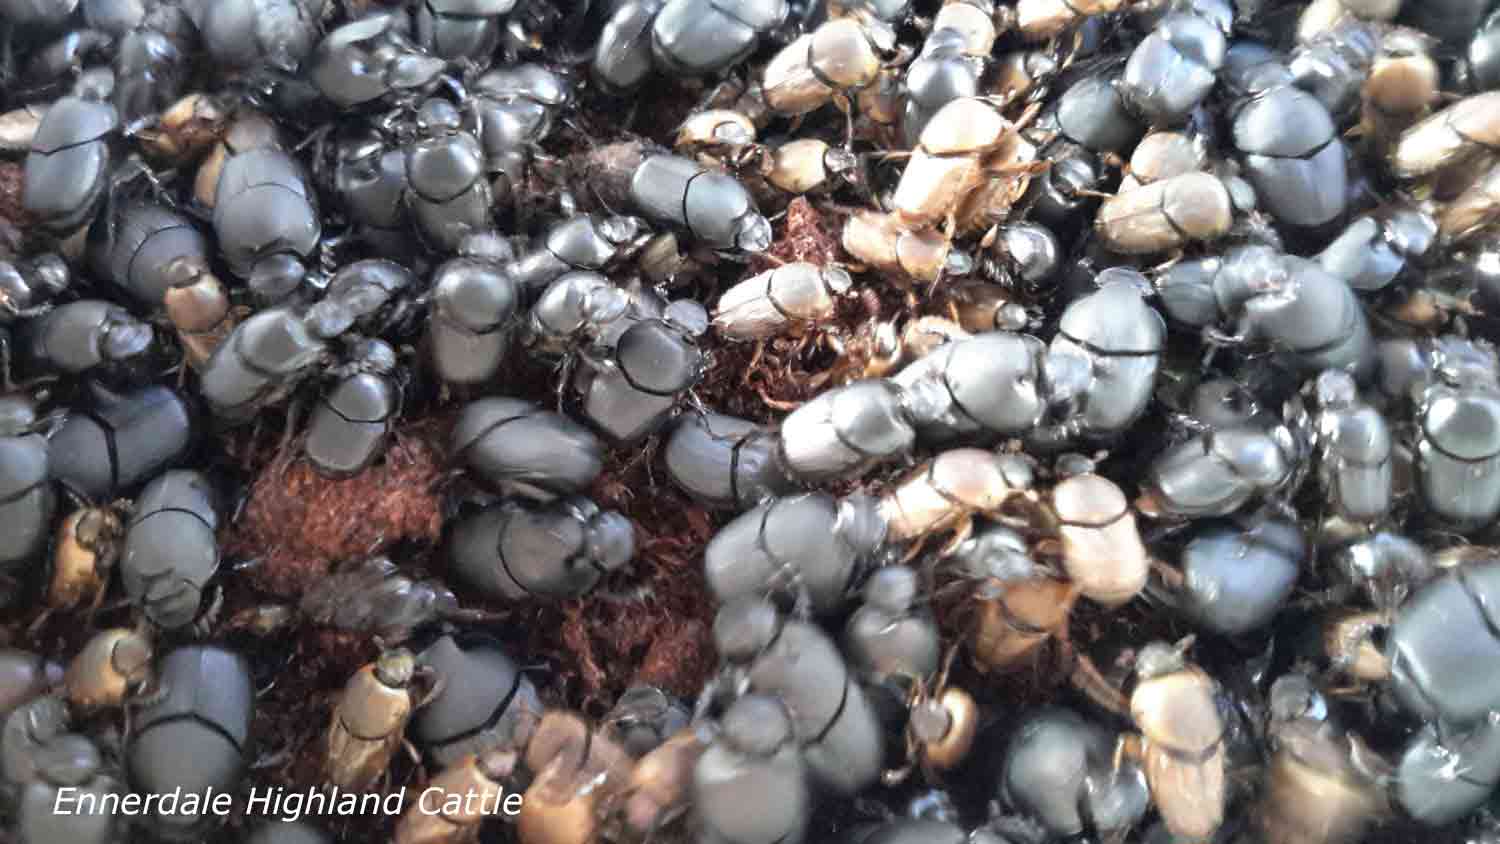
x=832 y=719
x=511 y=111
x=892 y=638
x=264 y=359
x=1319 y=785
x=699 y=37
x=1181 y=741
x=447 y=192
x=789 y=299
x=374 y=596
x=581 y=242
x=1458 y=442
x=24 y=676
x=723 y=461
x=578 y=771
x=750 y=784
x=171 y=551
x=516 y=445
x=353 y=419
x=1459 y=136
x=1166 y=215
x=85 y=335
x=27 y=494
x=1219 y=471
x=120 y=441
x=1441 y=778
x=1173 y=68
x=1291 y=150
x=643 y=718
x=1378 y=248
x=266 y=220
x=83 y=557
x=948 y=491
x=846 y=430
x=453 y=29
x=990 y=383
x=113 y=669
x=1234 y=579
x=27 y=287
x=1353 y=446
x=809 y=546
x=369 y=720
x=951 y=64
x=1306 y=313
x=661 y=782
x=1040 y=20
x=559 y=550
x=26 y=730
x=1102 y=550
x=830 y=64
x=630 y=391
x=485 y=703
x=134 y=244
x=967 y=150
x=68 y=168
x=622 y=58
x=1019 y=603
x=1438 y=635
x=1117 y=341
x=370 y=62
x=1057 y=769
x=196 y=736
x=456 y=797
x=260 y=35
x=75 y=763
x=713 y=206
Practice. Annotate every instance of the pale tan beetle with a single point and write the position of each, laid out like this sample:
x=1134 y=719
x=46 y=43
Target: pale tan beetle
x=1166 y=215
x=111 y=670
x=578 y=772
x=658 y=791
x=369 y=721
x=479 y=784
x=88 y=544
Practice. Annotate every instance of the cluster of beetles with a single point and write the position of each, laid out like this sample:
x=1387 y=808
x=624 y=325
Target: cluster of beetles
x=1178 y=310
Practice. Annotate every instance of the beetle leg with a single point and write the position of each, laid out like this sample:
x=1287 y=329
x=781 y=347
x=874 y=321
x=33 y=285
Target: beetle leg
x=1085 y=677
x=962 y=529
x=204 y=625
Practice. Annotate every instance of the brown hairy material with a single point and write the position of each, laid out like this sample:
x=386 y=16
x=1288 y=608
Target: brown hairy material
x=298 y=523
x=807 y=235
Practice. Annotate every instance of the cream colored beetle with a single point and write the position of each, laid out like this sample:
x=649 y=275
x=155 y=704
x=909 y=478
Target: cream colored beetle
x=1402 y=87
x=829 y=64
x=659 y=785
x=369 y=722
x=1453 y=138
x=1317 y=788
x=114 y=667
x=1166 y=215
x=880 y=241
x=88 y=545
x=948 y=491
x=1102 y=550
x=1181 y=740
x=788 y=299
x=1039 y=20
x=968 y=141
x=478 y=783
x=578 y=771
